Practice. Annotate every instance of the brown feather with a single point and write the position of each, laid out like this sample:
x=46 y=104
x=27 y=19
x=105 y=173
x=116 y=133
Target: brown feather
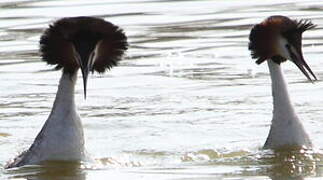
x=263 y=37
x=58 y=41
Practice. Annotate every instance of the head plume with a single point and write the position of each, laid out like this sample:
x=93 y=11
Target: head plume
x=264 y=36
x=279 y=38
x=68 y=38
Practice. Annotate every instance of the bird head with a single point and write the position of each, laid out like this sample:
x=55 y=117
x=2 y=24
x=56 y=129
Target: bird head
x=280 y=38
x=86 y=43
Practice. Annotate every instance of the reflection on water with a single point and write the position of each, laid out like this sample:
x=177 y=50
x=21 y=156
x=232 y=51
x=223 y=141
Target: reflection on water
x=285 y=163
x=292 y=164
x=50 y=170
x=186 y=103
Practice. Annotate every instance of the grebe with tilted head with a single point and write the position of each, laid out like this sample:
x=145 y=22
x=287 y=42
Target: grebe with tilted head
x=277 y=39
x=86 y=43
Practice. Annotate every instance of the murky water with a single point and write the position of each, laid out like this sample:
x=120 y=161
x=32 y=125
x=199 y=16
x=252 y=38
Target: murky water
x=187 y=102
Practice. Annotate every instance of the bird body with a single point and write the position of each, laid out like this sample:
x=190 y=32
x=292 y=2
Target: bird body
x=86 y=43
x=278 y=39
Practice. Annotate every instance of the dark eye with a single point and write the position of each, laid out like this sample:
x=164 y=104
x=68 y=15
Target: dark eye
x=287 y=46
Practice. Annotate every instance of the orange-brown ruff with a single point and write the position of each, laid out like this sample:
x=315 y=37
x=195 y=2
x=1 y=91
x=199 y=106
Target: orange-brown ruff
x=277 y=39
x=264 y=36
x=86 y=43
x=60 y=40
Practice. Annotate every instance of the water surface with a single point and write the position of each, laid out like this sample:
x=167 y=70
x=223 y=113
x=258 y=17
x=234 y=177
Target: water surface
x=186 y=103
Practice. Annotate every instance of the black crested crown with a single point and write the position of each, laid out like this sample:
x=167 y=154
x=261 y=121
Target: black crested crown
x=255 y=35
x=304 y=24
x=57 y=44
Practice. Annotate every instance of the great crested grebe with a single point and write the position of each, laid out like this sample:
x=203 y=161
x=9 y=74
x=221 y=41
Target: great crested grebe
x=277 y=39
x=86 y=43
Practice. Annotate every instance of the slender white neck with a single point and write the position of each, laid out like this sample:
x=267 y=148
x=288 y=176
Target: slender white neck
x=281 y=100
x=64 y=101
x=286 y=128
x=62 y=134
x=61 y=138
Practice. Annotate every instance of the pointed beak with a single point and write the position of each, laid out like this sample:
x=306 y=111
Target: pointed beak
x=298 y=59
x=86 y=66
x=85 y=73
